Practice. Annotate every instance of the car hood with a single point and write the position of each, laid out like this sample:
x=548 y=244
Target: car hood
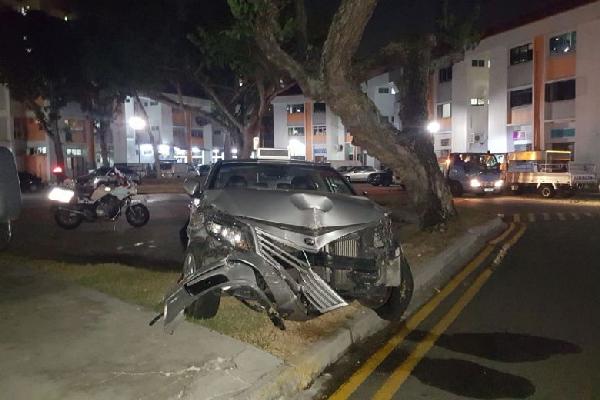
x=302 y=209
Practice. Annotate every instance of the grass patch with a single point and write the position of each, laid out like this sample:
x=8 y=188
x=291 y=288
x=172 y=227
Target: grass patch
x=147 y=287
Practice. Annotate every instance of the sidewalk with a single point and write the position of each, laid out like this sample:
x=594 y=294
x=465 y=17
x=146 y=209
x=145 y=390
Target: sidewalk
x=62 y=341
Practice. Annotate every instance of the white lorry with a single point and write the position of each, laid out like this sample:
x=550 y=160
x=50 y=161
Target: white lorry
x=548 y=172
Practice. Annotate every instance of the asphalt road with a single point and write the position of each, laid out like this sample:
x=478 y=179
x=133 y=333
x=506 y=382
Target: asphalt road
x=532 y=330
x=155 y=245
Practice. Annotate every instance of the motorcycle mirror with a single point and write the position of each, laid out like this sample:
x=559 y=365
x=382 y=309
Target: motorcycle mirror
x=191 y=186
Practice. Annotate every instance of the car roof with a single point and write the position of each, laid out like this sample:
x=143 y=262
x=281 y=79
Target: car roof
x=268 y=161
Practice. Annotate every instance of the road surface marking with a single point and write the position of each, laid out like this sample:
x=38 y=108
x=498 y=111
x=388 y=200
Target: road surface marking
x=546 y=216
x=575 y=215
x=561 y=216
x=516 y=218
x=503 y=236
x=400 y=374
x=350 y=386
x=587 y=214
x=531 y=217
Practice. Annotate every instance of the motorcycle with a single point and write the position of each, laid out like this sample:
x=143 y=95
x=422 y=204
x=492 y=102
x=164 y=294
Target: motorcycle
x=106 y=202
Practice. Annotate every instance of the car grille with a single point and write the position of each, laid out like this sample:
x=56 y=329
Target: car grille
x=344 y=247
x=317 y=291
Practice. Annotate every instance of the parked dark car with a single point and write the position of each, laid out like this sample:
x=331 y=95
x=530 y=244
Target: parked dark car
x=381 y=178
x=107 y=176
x=30 y=182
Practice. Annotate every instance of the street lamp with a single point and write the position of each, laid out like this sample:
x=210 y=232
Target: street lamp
x=137 y=123
x=433 y=127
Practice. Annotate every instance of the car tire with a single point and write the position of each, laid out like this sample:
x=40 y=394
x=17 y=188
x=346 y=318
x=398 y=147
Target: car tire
x=547 y=191
x=205 y=306
x=399 y=297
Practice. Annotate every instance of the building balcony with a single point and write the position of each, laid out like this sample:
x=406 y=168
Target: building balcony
x=559 y=110
x=521 y=115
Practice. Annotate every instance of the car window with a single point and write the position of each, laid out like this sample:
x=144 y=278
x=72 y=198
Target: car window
x=262 y=176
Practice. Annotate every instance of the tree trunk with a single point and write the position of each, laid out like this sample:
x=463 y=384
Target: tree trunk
x=410 y=155
x=102 y=132
x=58 y=149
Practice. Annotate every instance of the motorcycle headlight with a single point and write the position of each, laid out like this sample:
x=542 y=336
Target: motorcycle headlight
x=475 y=183
x=229 y=231
x=61 y=195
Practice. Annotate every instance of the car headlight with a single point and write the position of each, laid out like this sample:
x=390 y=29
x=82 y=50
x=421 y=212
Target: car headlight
x=229 y=231
x=499 y=183
x=61 y=195
x=475 y=183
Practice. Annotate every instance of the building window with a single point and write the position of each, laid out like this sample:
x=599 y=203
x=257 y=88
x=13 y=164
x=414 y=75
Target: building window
x=565 y=43
x=43 y=150
x=296 y=131
x=154 y=103
x=445 y=74
x=478 y=63
x=295 y=108
x=197 y=133
x=319 y=107
x=320 y=130
x=561 y=90
x=477 y=102
x=520 y=97
x=383 y=90
x=155 y=128
x=560 y=133
x=445 y=142
x=73 y=152
x=521 y=54
x=217 y=132
x=444 y=110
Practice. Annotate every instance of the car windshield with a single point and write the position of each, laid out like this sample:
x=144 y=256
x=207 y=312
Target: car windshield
x=279 y=177
x=480 y=163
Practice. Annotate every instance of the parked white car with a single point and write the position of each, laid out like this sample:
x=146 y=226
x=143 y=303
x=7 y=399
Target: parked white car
x=360 y=174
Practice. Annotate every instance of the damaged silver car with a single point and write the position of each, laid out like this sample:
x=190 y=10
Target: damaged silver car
x=289 y=238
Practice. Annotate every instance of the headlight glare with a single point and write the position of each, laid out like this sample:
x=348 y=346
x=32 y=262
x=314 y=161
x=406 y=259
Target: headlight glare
x=230 y=233
x=475 y=183
x=499 y=183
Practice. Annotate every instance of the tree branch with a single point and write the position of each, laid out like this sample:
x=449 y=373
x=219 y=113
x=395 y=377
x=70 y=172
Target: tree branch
x=390 y=57
x=218 y=102
x=345 y=34
x=266 y=27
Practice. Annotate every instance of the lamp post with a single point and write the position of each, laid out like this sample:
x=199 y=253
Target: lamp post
x=433 y=127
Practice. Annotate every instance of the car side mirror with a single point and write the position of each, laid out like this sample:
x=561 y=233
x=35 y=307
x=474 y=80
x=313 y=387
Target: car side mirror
x=192 y=186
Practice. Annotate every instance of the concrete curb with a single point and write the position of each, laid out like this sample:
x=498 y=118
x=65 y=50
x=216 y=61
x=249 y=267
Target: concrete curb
x=294 y=376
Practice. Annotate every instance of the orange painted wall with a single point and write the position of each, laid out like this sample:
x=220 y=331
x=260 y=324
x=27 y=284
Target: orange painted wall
x=559 y=67
x=296 y=118
x=33 y=131
x=445 y=124
x=36 y=165
x=319 y=139
x=521 y=116
x=178 y=117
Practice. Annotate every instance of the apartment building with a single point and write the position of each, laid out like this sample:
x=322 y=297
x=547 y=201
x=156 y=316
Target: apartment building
x=182 y=136
x=311 y=131
x=533 y=87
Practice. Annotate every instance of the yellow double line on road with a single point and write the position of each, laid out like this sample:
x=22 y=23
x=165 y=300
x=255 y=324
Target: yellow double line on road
x=399 y=375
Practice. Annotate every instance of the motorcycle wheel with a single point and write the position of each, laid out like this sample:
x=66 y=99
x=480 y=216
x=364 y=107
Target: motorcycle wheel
x=399 y=297
x=137 y=215
x=66 y=219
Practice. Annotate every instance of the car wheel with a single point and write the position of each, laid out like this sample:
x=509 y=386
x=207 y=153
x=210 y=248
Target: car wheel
x=205 y=306
x=547 y=191
x=399 y=296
